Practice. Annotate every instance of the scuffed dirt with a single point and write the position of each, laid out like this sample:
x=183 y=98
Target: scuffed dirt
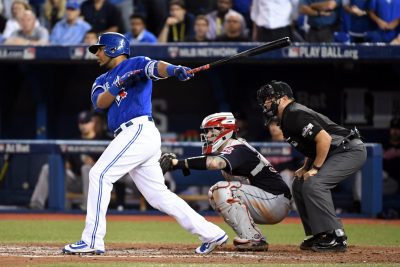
x=38 y=254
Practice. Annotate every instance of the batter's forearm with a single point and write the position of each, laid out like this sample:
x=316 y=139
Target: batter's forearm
x=162 y=68
x=105 y=100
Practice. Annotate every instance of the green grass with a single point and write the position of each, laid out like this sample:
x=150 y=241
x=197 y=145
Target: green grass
x=62 y=232
x=17 y=231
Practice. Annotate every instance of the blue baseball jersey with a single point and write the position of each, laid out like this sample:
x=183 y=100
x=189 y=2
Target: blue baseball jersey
x=360 y=25
x=322 y=21
x=387 y=10
x=134 y=99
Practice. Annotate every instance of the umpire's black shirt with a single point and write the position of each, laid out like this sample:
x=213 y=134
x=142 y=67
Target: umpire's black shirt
x=300 y=125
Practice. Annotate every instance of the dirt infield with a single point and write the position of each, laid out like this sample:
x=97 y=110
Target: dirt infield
x=36 y=254
x=39 y=254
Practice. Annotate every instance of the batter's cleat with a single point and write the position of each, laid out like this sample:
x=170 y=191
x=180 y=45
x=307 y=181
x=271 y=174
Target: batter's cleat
x=309 y=242
x=243 y=244
x=81 y=247
x=207 y=248
x=331 y=243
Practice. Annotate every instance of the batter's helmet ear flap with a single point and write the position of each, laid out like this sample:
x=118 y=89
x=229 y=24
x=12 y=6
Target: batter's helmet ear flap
x=115 y=44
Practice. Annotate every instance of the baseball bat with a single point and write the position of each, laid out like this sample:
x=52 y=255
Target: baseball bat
x=270 y=46
x=274 y=45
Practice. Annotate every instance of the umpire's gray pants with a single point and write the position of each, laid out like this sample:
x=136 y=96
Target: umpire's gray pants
x=313 y=197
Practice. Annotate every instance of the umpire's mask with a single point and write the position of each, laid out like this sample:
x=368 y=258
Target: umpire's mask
x=272 y=92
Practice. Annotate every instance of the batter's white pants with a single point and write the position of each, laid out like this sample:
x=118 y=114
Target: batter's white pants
x=136 y=150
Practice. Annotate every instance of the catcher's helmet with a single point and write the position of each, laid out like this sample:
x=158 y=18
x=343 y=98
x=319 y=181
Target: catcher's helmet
x=273 y=91
x=115 y=44
x=223 y=125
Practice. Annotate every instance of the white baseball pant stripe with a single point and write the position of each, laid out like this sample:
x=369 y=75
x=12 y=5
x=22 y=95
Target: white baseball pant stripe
x=136 y=151
x=102 y=177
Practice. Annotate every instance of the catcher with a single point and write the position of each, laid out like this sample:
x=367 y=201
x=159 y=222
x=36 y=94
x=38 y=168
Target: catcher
x=253 y=191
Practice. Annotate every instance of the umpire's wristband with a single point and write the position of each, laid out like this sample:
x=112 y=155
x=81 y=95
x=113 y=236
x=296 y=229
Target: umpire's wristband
x=315 y=167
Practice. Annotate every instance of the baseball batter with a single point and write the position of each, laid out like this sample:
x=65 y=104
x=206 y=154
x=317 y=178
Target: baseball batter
x=136 y=148
x=253 y=192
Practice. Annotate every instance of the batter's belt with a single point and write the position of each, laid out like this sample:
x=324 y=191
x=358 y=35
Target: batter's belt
x=128 y=124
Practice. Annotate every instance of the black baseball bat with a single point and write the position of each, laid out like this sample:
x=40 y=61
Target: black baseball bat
x=274 y=45
x=270 y=46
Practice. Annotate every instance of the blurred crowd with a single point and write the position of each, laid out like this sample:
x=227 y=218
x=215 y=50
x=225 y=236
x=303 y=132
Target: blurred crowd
x=73 y=22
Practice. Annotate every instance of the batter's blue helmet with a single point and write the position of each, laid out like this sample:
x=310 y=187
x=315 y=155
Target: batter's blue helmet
x=115 y=44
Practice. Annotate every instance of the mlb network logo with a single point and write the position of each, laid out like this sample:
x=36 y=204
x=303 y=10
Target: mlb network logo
x=293 y=52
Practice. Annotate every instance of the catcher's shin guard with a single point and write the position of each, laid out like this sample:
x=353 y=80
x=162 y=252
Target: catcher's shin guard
x=223 y=200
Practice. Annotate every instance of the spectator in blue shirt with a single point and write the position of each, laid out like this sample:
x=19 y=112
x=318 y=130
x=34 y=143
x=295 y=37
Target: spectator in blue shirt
x=360 y=22
x=386 y=15
x=71 y=30
x=323 y=18
x=139 y=33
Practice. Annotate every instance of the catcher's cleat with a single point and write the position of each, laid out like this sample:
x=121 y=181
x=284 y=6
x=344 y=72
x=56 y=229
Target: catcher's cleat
x=207 y=248
x=309 y=242
x=81 y=247
x=331 y=243
x=242 y=244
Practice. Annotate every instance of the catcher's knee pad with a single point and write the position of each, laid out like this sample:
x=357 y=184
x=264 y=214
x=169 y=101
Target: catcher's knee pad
x=222 y=192
x=224 y=200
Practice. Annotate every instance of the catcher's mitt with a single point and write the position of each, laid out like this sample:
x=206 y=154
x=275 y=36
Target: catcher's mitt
x=166 y=162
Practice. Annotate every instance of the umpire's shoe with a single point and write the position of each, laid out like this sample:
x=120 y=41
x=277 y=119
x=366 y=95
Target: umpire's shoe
x=331 y=242
x=242 y=244
x=81 y=247
x=207 y=248
x=309 y=242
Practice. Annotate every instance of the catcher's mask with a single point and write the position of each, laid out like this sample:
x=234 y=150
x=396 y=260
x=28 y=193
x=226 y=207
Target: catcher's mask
x=115 y=44
x=271 y=93
x=217 y=129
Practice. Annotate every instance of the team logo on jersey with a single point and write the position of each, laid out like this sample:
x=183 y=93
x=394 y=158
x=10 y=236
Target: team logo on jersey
x=121 y=95
x=307 y=130
x=228 y=150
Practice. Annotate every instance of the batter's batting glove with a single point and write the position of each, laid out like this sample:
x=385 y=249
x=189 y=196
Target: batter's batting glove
x=166 y=162
x=180 y=72
x=123 y=81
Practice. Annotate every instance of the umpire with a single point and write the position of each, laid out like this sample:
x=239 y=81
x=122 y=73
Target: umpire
x=332 y=154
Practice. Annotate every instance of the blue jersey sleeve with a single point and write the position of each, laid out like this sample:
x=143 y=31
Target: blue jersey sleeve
x=97 y=89
x=141 y=63
x=149 y=67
